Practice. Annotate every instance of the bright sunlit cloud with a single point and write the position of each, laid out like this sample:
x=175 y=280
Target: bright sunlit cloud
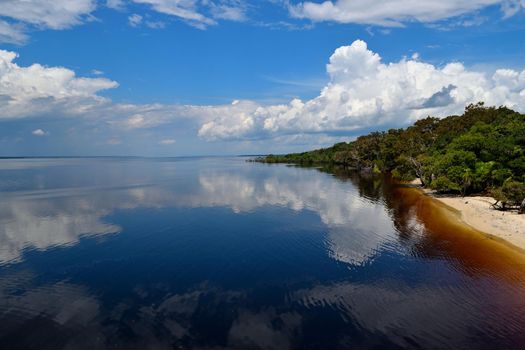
x=363 y=92
x=366 y=92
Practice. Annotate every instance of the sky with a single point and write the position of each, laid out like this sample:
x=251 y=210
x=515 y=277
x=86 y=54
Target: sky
x=236 y=77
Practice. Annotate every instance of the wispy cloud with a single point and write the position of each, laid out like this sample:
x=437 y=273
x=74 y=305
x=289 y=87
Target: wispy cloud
x=135 y=20
x=17 y=17
x=167 y=142
x=115 y=4
x=12 y=33
x=310 y=83
x=41 y=14
x=396 y=12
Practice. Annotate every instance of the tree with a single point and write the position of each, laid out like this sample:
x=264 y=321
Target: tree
x=512 y=193
x=476 y=152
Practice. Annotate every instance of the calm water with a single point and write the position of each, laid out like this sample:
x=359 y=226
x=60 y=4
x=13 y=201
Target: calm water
x=220 y=253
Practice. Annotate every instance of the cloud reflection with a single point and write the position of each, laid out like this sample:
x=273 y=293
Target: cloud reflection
x=357 y=226
x=202 y=312
x=47 y=217
x=41 y=224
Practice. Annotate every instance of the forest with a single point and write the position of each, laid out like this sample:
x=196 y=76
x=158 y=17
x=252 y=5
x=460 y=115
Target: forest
x=481 y=151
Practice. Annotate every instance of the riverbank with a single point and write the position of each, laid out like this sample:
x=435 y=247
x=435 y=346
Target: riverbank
x=476 y=211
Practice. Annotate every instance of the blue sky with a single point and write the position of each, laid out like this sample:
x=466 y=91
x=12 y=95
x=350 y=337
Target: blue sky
x=202 y=77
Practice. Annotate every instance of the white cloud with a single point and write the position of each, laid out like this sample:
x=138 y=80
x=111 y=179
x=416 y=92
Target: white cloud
x=365 y=92
x=185 y=9
x=231 y=11
x=167 y=142
x=134 y=20
x=395 y=12
x=145 y=117
x=53 y=14
x=39 y=132
x=236 y=120
x=200 y=14
x=12 y=33
x=18 y=17
x=39 y=90
x=115 y=4
x=511 y=7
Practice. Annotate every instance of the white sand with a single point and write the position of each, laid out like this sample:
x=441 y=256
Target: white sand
x=478 y=213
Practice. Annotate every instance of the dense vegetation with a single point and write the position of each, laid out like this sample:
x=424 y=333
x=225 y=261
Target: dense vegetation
x=481 y=151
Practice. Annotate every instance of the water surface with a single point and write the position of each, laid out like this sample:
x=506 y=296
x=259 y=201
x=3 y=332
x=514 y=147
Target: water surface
x=218 y=253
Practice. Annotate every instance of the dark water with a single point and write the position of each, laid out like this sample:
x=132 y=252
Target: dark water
x=224 y=254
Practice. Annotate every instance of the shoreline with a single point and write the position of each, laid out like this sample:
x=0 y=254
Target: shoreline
x=476 y=212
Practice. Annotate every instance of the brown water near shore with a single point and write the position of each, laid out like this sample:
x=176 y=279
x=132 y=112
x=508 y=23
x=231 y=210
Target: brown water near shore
x=474 y=251
x=434 y=229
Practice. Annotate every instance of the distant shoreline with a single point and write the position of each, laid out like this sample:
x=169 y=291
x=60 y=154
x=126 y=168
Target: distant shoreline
x=127 y=157
x=476 y=212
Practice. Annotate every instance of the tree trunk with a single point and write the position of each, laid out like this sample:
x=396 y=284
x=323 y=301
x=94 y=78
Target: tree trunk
x=418 y=169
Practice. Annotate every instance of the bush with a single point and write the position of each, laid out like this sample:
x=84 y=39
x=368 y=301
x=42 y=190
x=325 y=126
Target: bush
x=514 y=191
x=443 y=184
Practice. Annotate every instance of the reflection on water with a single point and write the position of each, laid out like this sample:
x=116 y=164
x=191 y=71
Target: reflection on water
x=220 y=253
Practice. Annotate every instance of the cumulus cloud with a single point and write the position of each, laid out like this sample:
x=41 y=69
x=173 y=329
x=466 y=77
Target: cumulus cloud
x=363 y=92
x=167 y=142
x=39 y=90
x=366 y=92
x=395 y=12
x=231 y=121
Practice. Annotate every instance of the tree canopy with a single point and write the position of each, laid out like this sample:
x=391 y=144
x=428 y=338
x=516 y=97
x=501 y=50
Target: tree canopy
x=480 y=151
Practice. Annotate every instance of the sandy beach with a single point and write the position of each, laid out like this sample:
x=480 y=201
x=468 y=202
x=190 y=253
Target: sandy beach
x=476 y=211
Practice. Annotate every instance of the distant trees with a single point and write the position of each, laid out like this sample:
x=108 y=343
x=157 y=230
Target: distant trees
x=481 y=151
